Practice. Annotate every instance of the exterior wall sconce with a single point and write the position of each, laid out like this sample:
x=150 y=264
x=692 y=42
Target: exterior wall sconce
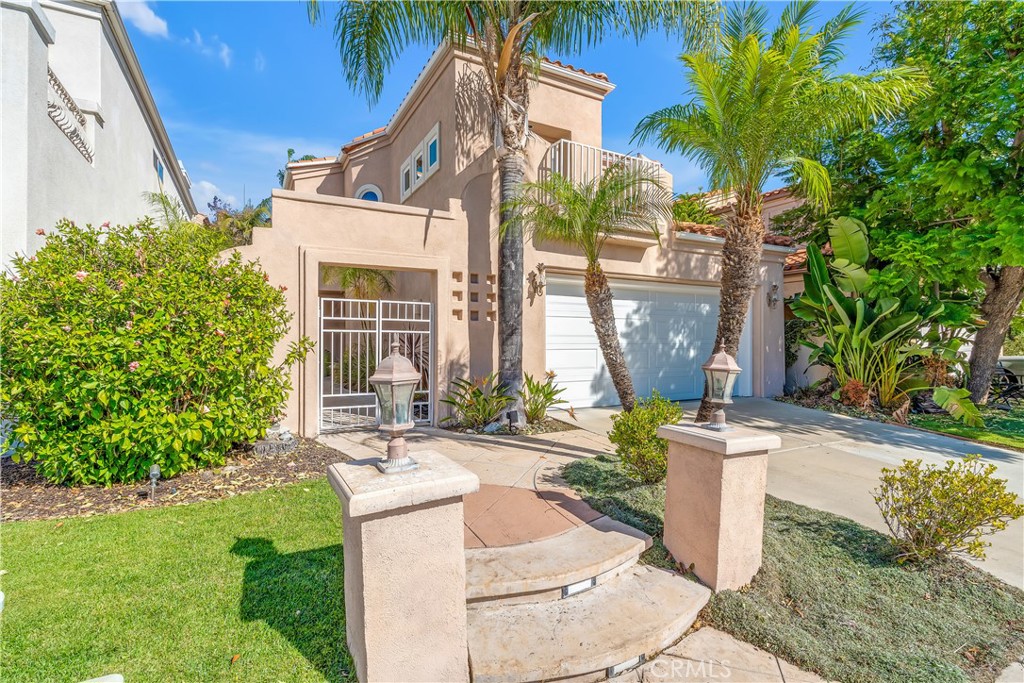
x=538 y=280
x=720 y=372
x=773 y=295
x=395 y=382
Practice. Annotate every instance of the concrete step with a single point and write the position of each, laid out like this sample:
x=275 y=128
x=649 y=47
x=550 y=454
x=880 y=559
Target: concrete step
x=640 y=612
x=532 y=572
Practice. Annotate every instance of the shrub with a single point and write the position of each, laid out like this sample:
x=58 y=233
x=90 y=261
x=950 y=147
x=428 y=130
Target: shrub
x=855 y=395
x=476 y=404
x=635 y=435
x=933 y=511
x=538 y=397
x=130 y=346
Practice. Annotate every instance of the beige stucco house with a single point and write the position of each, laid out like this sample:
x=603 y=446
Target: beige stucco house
x=419 y=197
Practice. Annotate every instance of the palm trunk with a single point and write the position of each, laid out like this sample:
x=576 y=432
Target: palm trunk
x=741 y=256
x=1004 y=291
x=511 y=171
x=602 y=312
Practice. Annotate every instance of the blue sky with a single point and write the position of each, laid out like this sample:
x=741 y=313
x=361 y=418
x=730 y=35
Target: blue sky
x=238 y=83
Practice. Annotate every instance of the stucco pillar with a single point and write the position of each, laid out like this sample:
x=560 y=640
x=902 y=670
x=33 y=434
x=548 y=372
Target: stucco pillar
x=405 y=568
x=714 y=502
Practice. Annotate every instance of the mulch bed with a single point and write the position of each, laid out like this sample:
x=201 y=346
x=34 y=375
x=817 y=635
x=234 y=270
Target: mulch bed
x=27 y=496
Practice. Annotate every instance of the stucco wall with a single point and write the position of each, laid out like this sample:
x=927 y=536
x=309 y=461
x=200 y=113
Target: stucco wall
x=45 y=178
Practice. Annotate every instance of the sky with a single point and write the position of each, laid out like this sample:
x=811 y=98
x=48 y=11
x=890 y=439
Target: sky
x=239 y=83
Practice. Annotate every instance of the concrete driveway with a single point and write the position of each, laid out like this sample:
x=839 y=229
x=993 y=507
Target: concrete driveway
x=832 y=462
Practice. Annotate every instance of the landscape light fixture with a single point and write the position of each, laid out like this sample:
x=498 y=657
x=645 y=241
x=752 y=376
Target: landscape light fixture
x=720 y=372
x=395 y=382
x=154 y=474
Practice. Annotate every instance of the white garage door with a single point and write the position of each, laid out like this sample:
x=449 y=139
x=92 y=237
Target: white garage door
x=667 y=332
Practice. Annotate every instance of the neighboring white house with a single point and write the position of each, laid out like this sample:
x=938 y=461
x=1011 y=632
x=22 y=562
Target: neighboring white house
x=80 y=135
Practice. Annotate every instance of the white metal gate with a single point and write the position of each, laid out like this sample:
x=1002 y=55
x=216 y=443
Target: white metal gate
x=355 y=334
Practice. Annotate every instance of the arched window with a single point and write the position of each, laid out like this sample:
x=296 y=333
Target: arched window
x=370 y=193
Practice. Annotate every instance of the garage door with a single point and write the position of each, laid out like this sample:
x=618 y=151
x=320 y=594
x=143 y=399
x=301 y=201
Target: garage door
x=667 y=332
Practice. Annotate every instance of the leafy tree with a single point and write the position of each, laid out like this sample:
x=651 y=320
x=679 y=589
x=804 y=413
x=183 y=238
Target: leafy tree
x=943 y=186
x=762 y=104
x=237 y=226
x=510 y=36
x=622 y=200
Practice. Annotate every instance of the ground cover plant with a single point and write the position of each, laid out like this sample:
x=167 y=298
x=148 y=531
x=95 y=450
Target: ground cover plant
x=130 y=346
x=176 y=593
x=1001 y=428
x=831 y=598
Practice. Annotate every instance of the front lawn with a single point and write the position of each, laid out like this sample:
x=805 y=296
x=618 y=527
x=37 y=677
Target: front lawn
x=1001 y=428
x=829 y=599
x=176 y=593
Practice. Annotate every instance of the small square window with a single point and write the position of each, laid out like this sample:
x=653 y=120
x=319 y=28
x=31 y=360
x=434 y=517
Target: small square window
x=406 y=179
x=474 y=278
x=474 y=315
x=474 y=297
x=432 y=153
x=419 y=167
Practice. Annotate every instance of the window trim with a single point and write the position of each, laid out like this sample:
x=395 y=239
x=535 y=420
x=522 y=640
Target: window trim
x=420 y=152
x=370 y=187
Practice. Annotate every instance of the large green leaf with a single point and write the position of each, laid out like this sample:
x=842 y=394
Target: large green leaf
x=957 y=402
x=851 y=277
x=849 y=241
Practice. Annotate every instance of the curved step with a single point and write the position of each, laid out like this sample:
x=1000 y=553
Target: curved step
x=640 y=612
x=541 y=569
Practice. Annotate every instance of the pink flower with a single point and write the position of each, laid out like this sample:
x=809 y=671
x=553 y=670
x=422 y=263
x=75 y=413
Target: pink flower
x=81 y=275
x=138 y=343
x=133 y=366
x=283 y=288
x=40 y=231
x=219 y=333
x=106 y=224
x=209 y=324
x=32 y=259
x=128 y=325
x=66 y=328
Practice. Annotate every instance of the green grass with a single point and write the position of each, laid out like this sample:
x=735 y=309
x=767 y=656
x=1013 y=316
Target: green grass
x=829 y=598
x=1001 y=428
x=172 y=594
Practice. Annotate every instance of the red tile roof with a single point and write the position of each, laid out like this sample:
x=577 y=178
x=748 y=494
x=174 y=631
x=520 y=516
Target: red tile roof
x=797 y=261
x=718 y=231
x=593 y=74
x=361 y=139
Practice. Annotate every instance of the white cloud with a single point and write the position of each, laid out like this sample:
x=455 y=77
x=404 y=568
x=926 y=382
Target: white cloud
x=260 y=62
x=212 y=47
x=203 y=193
x=140 y=15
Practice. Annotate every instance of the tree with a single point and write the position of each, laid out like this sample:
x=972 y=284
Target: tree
x=237 y=226
x=361 y=283
x=509 y=36
x=947 y=201
x=762 y=104
x=622 y=200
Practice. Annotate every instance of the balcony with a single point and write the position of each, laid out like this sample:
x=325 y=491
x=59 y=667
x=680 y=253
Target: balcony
x=582 y=163
x=585 y=163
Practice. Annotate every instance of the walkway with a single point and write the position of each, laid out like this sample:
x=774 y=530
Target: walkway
x=832 y=462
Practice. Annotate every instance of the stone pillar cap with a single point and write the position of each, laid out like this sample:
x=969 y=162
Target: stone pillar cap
x=733 y=442
x=365 y=491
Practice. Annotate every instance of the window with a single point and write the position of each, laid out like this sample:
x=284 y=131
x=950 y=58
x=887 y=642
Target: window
x=421 y=164
x=158 y=166
x=370 y=193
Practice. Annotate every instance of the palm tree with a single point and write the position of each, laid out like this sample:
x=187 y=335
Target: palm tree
x=622 y=200
x=237 y=226
x=761 y=106
x=361 y=283
x=509 y=36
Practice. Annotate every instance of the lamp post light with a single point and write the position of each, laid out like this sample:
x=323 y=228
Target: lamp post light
x=720 y=372
x=154 y=474
x=395 y=382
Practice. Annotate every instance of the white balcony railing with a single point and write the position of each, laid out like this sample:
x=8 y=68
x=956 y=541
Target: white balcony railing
x=585 y=163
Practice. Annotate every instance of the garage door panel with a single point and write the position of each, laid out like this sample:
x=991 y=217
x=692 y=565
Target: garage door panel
x=666 y=333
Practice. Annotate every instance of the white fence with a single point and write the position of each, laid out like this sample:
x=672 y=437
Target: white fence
x=355 y=334
x=583 y=163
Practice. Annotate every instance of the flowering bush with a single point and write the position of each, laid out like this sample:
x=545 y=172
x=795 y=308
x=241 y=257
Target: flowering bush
x=133 y=345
